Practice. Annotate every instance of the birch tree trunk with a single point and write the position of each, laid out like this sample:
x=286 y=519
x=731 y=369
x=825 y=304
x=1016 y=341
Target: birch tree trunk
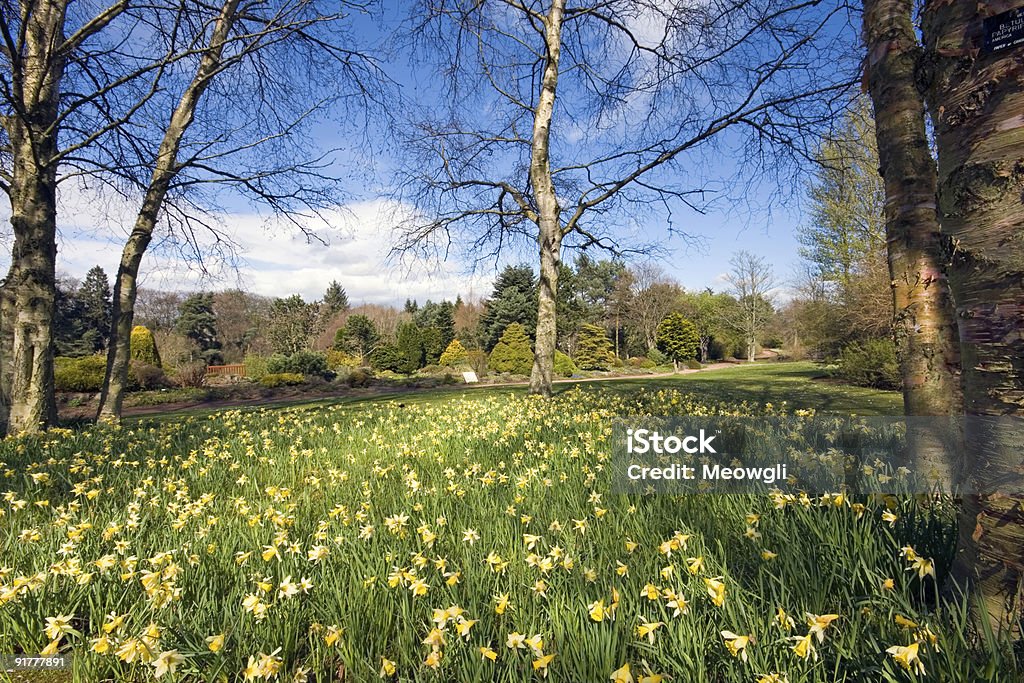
x=977 y=108
x=29 y=290
x=550 y=234
x=166 y=167
x=924 y=324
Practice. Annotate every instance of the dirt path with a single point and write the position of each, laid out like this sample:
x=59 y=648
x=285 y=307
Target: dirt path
x=369 y=392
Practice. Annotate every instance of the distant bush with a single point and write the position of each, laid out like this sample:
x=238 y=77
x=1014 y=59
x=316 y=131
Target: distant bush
x=339 y=359
x=640 y=362
x=190 y=374
x=308 y=363
x=148 y=376
x=282 y=379
x=564 y=366
x=388 y=357
x=693 y=364
x=79 y=374
x=255 y=366
x=512 y=353
x=477 y=360
x=454 y=355
x=359 y=378
x=657 y=357
x=870 y=363
x=143 y=346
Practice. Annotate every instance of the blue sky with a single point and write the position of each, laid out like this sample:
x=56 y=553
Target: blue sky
x=275 y=260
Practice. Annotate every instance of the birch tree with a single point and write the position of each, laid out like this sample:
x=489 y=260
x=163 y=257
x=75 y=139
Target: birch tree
x=924 y=327
x=51 y=111
x=751 y=281
x=249 y=138
x=976 y=106
x=571 y=122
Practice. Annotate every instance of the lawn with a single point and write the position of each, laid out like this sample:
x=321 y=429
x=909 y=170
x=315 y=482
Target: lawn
x=799 y=385
x=796 y=385
x=459 y=536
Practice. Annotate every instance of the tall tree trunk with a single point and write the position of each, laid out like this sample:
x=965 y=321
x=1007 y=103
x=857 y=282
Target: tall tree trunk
x=165 y=168
x=549 y=228
x=977 y=110
x=925 y=329
x=30 y=289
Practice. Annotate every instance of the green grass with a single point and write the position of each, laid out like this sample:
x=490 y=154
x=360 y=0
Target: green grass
x=797 y=385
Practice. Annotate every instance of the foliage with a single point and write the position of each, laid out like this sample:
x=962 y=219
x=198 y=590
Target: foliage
x=83 y=374
x=255 y=366
x=339 y=359
x=455 y=355
x=469 y=461
x=282 y=379
x=657 y=357
x=292 y=324
x=678 y=338
x=81 y=322
x=411 y=346
x=358 y=337
x=143 y=346
x=308 y=363
x=564 y=365
x=514 y=300
x=197 y=321
x=477 y=360
x=512 y=353
x=388 y=357
x=593 y=348
x=870 y=363
x=335 y=299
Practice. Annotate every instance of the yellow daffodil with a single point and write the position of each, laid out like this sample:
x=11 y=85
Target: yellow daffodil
x=737 y=645
x=907 y=657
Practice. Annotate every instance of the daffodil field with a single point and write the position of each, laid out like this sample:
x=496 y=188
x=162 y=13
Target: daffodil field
x=474 y=539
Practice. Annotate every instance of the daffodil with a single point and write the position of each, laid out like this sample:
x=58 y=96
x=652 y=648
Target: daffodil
x=716 y=591
x=647 y=628
x=622 y=675
x=387 y=667
x=907 y=657
x=737 y=645
x=215 y=643
x=167 y=662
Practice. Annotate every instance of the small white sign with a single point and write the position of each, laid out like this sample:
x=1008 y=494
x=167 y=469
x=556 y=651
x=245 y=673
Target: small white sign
x=470 y=377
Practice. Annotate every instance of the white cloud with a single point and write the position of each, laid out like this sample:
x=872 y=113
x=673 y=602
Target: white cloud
x=274 y=259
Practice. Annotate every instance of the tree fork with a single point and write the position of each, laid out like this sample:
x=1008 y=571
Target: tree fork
x=924 y=325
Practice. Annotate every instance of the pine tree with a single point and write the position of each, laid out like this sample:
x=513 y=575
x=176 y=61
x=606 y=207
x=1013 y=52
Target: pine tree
x=197 y=321
x=335 y=299
x=594 y=349
x=94 y=297
x=411 y=347
x=358 y=337
x=514 y=300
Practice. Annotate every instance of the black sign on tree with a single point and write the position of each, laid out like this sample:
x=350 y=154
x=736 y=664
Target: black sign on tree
x=1004 y=31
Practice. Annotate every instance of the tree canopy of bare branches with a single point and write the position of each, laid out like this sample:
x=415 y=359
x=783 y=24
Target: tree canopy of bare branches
x=571 y=123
